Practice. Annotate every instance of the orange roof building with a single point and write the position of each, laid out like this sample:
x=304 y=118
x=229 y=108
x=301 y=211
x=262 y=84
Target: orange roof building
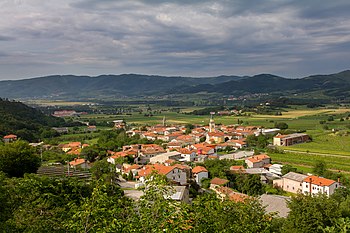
x=258 y=161
x=10 y=138
x=173 y=173
x=316 y=185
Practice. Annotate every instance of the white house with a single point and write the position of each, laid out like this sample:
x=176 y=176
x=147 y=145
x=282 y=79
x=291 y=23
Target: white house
x=161 y=158
x=187 y=155
x=315 y=185
x=173 y=173
x=199 y=173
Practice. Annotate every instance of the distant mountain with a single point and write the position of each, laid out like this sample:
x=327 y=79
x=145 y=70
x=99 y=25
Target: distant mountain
x=267 y=83
x=26 y=122
x=131 y=85
x=104 y=85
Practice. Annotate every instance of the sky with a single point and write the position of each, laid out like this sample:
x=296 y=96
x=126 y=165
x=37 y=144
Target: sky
x=174 y=38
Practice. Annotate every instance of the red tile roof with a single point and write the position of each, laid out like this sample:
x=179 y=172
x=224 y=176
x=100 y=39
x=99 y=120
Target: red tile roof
x=159 y=168
x=76 y=162
x=319 y=181
x=10 y=136
x=258 y=158
x=199 y=169
x=219 y=181
x=236 y=168
x=216 y=134
x=232 y=195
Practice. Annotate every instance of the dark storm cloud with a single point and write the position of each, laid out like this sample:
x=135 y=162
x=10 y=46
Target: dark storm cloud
x=186 y=37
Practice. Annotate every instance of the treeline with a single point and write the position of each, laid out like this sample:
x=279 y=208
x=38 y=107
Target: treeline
x=26 y=122
x=41 y=204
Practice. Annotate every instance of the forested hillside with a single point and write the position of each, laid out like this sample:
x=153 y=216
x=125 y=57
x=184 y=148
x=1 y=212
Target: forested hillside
x=26 y=122
x=70 y=87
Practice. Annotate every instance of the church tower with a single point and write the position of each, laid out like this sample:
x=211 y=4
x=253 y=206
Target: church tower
x=211 y=123
x=164 y=121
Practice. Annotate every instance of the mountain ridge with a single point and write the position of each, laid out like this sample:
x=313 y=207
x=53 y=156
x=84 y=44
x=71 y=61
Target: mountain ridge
x=130 y=85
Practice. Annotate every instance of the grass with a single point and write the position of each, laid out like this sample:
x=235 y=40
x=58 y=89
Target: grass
x=308 y=160
x=325 y=143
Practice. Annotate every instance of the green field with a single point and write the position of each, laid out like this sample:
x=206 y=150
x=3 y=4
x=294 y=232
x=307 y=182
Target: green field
x=325 y=143
x=308 y=160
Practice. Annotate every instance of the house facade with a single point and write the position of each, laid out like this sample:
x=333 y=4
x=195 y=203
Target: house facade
x=199 y=173
x=290 y=139
x=315 y=185
x=258 y=161
x=291 y=182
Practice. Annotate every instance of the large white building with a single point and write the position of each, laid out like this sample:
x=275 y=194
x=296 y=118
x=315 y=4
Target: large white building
x=315 y=185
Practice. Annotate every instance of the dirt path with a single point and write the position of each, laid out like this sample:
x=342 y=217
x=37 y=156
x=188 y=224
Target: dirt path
x=315 y=153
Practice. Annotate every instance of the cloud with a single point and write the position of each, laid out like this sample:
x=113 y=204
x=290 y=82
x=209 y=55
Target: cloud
x=200 y=38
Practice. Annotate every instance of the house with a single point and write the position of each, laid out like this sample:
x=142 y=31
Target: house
x=161 y=158
x=119 y=124
x=148 y=151
x=237 y=169
x=172 y=173
x=217 y=182
x=10 y=138
x=290 y=139
x=174 y=144
x=133 y=168
x=64 y=113
x=267 y=132
x=116 y=155
x=179 y=193
x=237 y=143
x=204 y=149
x=227 y=193
x=291 y=182
x=215 y=137
x=199 y=173
x=60 y=129
x=276 y=169
x=91 y=128
x=258 y=161
x=315 y=185
x=70 y=146
x=187 y=155
x=79 y=163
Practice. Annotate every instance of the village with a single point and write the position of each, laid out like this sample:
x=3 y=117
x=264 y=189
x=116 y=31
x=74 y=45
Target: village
x=181 y=159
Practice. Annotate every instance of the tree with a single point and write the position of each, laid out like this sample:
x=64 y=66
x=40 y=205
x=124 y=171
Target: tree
x=101 y=169
x=18 y=158
x=90 y=153
x=281 y=125
x=311 y=213
x=320 y=168
x=288 y=168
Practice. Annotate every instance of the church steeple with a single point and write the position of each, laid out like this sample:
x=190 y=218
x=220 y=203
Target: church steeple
x=211 y=123
x=164 y=121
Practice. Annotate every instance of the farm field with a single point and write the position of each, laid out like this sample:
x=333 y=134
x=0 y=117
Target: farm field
x=308 y=160
x=325 y=143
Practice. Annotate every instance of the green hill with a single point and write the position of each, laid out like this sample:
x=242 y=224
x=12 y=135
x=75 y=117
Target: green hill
x=26 y=122
x=70 y=87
